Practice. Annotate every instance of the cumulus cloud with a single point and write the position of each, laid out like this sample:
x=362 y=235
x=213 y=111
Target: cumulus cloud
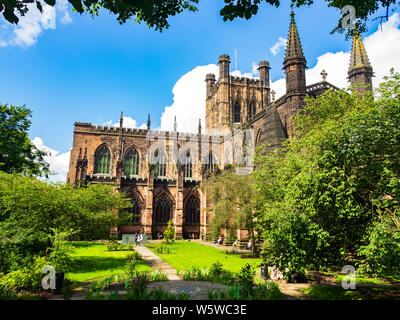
x=58 y=161
x=253 y=74
x=189 y=100
x=33 y=23
x=128 y=122
x=276 y=48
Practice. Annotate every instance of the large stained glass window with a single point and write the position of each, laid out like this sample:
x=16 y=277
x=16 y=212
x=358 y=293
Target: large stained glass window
x=160 y=166
x=132 y=163
x=188 y=170
x=102 y=160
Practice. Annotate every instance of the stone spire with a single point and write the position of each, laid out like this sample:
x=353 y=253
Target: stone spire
x=293 y=47
x=121 y=120
x=294 y=63
x=360 y=70
x=148 y=122
x=175 y=125
x=199 y=128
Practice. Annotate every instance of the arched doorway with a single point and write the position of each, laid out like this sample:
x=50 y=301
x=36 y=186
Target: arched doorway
x=191 y=217
x=162 y=213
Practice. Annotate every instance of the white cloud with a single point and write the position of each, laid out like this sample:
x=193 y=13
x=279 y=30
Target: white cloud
x=59 y=162
x=128 y=122
x=281 y=43
x=383 y=49
x=33 y=23
x=189 y=100
x=253 y=74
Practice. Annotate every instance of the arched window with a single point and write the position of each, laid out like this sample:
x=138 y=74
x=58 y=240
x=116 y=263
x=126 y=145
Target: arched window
x=135 y=211
x=188 y=166
x=102 y=160
x=236 y=112
x=132 y=163
x=160 y=166
x=258 y=138
x=163 y=210
x=252 y=109
x=211 y=162
x=192 y=210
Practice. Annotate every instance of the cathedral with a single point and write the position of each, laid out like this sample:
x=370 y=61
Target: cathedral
x=162 y=171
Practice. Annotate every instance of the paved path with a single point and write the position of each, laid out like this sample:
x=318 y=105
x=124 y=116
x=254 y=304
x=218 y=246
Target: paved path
x=155 y=262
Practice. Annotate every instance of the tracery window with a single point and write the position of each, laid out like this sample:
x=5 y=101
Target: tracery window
x=163 y=210
x=132 y=162
x=102 y=160
x=192 y=210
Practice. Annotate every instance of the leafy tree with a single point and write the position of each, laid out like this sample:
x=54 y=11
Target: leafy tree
x=169 y=233
x=155 y=13
x=336 y=188
x=17 y=153
x=234 y=203
x=31 y=208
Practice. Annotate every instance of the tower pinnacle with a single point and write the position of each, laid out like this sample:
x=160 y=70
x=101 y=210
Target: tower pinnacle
x=293 y=48
x=360 y=70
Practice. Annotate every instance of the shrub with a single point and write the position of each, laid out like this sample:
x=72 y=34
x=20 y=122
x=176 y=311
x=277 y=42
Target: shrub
x=161 y=248
x=169 y=233
x=29 y=277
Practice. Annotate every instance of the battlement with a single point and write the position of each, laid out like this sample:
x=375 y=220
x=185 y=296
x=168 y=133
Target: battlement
x=245 y=80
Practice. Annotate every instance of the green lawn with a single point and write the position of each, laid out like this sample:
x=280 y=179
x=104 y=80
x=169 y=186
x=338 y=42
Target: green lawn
x=93 y=260
x=186 y=254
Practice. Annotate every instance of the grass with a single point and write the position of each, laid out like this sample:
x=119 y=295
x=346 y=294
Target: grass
x=93 y=261
x=185 y=254
x=360 y=280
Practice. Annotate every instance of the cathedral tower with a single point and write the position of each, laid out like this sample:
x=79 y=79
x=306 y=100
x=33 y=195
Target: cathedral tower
x=360 y=70
x=294 y=65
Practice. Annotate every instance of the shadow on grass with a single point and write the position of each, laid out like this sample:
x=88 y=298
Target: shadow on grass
x=334 y=292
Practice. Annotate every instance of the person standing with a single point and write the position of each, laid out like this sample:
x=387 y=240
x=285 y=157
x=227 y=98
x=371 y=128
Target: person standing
x=140 y=239
x=136 y=239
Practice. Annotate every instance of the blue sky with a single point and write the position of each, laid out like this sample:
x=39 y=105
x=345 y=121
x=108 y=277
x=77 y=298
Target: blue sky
x=90 y=69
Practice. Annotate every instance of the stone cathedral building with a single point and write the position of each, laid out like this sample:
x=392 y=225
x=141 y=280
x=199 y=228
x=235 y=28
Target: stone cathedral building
x=163 y=189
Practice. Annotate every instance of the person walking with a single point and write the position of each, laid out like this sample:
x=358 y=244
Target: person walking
x=140 y=239
x=136 y=239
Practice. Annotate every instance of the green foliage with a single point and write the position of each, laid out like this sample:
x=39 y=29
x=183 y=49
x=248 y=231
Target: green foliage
x=115 y=246
x=161 y=248
x=28 y=277
x=30 y=208
x=17 y=153
x=264 y=291
x=328 y=199
x=60 y=250
x=214 y=274
x=155 y=13
x=234 y=201
x=169 y=233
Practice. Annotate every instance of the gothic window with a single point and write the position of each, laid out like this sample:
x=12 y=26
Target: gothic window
x=188 y=166
x=102 y=160
x=134 y=210
x=258 y=139
x=163 y=210
x=160 y=166
x=252 y=109
x=211 y=163
x=132 y=163
x=236 y=112
x=192 y=210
